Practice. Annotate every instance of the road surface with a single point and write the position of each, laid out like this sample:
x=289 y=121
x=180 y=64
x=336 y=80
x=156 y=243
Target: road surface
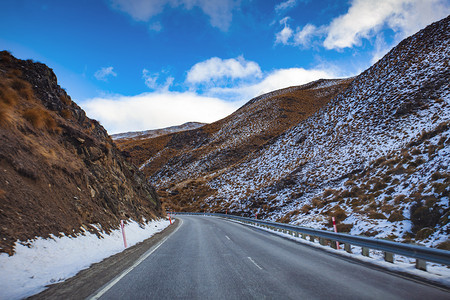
x=212 y=258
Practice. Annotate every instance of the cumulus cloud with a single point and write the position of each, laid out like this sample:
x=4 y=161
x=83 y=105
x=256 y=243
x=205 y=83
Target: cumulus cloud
x=156 y=110
x=216 y=68
x=277 y=79
x=104 y=73
x=285 y=5
x=366 y=18
x=218 y=11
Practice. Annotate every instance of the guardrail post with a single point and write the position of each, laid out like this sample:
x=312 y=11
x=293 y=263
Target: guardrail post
x=389 y=257
x=421 y=264
x=311 y=238
x=304 y=236
x=322 y=241
x=365 y=251
x=348 y=248
x=334 y=244
x=296 y=233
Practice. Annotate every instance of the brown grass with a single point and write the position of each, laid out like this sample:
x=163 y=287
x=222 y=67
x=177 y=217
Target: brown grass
x=40 y=118
x=376 y=215
x=8 y=96
x=23 y=88
x=5 y=116
x=444 y=245
x=2 y=194
x=66 y=114
x=65 y=99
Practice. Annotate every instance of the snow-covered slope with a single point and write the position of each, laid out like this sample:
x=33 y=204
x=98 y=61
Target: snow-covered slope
x=156 y=132
x=375 y=156
x=382 y=144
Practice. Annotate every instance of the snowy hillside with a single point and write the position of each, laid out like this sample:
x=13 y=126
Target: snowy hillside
x=373 y=151
x=382 y=145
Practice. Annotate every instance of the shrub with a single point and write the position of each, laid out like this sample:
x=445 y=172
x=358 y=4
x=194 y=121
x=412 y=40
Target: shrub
x=424 y=233
x=338 y=213
x=376 y=215
x=444 y=245
x=305 y=209
x=344 y=227
x=399 y=199
x=423 y=216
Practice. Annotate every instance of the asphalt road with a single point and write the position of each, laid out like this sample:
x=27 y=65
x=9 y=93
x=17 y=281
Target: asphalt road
x=211 y=258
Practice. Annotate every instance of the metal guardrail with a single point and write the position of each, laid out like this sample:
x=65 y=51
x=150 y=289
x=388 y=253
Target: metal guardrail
x=420 y=253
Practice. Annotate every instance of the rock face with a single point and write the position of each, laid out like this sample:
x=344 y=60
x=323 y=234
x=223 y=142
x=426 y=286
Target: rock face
x=60 y=172
x=375 y=154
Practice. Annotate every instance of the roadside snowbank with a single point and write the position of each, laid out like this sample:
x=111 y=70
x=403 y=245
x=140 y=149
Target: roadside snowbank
x=48 y=261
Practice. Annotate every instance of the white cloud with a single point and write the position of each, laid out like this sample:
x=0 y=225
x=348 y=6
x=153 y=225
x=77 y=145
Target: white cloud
x=216 y=68
x=285 y=34
x=285 y=5
x=304 y=36
x=277 y=79
x=218 y=11
x=163 y=108
x=365 y=18
x=152 y=80
x=156 y=110
x=104 y=73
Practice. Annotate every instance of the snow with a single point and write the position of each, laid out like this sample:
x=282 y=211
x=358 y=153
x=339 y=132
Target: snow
x=42 y=262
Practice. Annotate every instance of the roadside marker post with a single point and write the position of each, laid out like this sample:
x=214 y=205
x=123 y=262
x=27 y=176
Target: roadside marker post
x=335 y=230
x=123 y=233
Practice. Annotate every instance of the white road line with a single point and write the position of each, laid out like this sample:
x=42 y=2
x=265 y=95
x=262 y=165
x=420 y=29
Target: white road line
x=228 y=237
x=254 y=263
x=141 y=259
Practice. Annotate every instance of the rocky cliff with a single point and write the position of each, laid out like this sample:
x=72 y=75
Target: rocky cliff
x=60 y=172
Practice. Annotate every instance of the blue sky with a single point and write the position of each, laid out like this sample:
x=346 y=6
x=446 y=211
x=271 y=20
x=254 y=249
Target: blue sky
x=137 y=64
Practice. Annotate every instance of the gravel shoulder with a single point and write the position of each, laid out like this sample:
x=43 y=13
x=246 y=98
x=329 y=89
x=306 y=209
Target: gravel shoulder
x=88 y=281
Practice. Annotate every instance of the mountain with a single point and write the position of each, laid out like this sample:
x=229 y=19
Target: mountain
x=181 y=163
x=373 y=151
x=156 y=132
x=60 y=172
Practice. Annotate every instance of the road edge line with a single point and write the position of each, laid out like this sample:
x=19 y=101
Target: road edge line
x=110 y=284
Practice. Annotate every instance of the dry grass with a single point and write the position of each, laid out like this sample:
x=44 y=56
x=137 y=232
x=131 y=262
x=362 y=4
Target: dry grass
x=2 y=194
x=65 y=99
x=23 y=88
x=5 y=116
x=8 y=96
x=66 y=114
x=40 y=118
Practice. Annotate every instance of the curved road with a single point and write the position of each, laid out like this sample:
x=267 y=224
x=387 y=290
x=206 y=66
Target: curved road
x=211 y=258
